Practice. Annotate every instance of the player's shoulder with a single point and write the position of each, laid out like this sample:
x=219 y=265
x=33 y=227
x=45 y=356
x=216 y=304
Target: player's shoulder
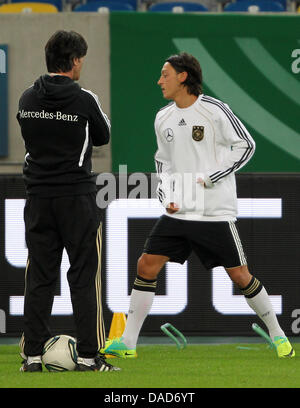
x=213 y=104
x=89 y=95
x=165 y=110
x=28 y=92
x=169 y=105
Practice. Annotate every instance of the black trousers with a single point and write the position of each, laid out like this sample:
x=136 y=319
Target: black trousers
x=52 y=224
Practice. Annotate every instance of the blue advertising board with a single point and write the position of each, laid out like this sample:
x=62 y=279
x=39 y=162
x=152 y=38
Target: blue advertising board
x=3 y=101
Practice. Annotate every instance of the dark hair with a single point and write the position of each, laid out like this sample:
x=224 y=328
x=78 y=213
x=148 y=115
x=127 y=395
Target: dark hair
x=62 y=48
x=188 y=63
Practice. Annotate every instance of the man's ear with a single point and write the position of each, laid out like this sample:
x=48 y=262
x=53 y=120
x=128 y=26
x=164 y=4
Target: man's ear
x=76 y=61
x=183 y=76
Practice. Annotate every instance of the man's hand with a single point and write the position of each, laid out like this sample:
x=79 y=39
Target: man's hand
x=201 y=181
x=172 y=208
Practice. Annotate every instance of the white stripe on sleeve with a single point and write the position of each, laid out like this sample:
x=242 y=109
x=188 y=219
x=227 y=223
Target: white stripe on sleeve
x=85 y=145
x=105 y=117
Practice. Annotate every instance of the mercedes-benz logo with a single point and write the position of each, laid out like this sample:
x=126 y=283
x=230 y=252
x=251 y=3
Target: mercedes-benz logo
x=169 y=134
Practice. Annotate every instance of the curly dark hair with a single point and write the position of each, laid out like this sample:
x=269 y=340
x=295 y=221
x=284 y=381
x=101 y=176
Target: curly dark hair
x=185 y=62
x=62 y=48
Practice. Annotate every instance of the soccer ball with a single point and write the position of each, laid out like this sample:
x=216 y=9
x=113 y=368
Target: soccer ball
x=59 y=353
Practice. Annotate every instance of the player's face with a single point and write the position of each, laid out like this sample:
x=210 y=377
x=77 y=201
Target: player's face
x=170 y=81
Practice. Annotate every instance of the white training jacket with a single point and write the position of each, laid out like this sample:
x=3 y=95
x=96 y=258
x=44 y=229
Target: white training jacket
x=205 y=140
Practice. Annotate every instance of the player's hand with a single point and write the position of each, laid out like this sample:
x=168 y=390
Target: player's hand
x=172 y=208
x=201 y=181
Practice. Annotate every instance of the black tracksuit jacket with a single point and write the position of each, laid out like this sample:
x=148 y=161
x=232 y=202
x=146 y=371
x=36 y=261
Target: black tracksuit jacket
x=60 y=122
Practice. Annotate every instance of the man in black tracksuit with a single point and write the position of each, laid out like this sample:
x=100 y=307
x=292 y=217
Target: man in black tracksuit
x=60 y=123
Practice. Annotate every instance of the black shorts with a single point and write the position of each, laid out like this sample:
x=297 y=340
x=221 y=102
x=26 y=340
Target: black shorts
x=216 y=243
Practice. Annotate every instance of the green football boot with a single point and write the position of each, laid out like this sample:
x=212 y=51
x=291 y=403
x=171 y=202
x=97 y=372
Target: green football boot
x=283 y=347
x=117 y=348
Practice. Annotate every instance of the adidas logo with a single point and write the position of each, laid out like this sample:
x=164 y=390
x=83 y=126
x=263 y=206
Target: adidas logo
x=182 y=123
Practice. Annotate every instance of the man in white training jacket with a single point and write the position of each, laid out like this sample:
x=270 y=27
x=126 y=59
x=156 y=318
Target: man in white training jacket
x=201 y=144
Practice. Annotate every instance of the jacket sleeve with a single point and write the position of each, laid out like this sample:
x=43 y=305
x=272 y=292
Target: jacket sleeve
x=164 y=191
x=236 y=138
x=99 y=124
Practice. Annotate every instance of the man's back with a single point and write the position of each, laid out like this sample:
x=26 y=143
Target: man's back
x=60 y=122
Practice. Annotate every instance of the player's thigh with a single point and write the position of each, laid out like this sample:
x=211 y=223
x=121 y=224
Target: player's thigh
x=167 y=239
x=78 y=220
x=218 y=244
x=43 y=240
x=232 y=253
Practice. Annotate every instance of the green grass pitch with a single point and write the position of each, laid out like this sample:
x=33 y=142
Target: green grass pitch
x=164 y=366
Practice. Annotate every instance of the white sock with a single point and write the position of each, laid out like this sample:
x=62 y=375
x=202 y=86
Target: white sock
x=262 y=306
x=140 y=305
x=34 y=359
